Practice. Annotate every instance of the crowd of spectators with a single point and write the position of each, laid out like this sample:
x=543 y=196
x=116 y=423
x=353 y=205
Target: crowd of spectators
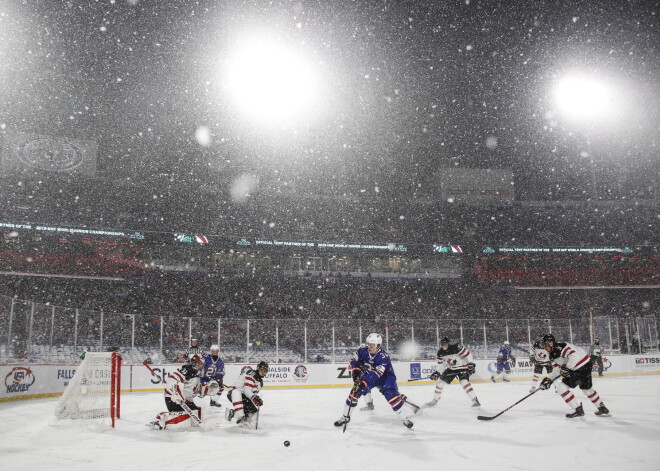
x=365 y=218
x=199 y=295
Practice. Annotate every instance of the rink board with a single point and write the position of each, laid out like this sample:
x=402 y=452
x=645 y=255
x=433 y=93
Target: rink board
x=31 y=381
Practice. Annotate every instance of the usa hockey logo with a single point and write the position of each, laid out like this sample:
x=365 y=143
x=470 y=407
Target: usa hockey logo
x=300 y=373
x=19 y=379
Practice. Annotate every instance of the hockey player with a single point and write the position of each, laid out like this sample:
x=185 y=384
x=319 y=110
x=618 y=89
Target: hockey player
x=214 y=370
x=371 y=368
x=596 y=354
x=182 y=387
x=574 y=366
x=504 y=362
x=244 y=394
x=540 y=360
x=454 y=361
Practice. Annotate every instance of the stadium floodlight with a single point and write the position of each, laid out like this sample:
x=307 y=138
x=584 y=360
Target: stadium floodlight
x=269 y=82
x=585 y=99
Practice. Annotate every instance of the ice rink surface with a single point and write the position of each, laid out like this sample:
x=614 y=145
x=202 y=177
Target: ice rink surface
x=534 y=435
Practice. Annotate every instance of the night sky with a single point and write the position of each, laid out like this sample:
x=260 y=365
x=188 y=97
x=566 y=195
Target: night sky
x=406 y=88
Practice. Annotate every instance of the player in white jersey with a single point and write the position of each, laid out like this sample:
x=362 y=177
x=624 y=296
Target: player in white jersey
x=244 y=394
x=575 y=367
x=540 y=360
x=182 y=388
x=454 y=361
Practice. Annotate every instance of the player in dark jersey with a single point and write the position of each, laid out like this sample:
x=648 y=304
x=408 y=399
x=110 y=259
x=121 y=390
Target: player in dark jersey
x=454 y=361
x=214 y=370
x=575 y=368
x=371 y=368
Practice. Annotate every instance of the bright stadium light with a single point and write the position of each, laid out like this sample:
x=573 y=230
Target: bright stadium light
x=269 y=82
x=585 y=99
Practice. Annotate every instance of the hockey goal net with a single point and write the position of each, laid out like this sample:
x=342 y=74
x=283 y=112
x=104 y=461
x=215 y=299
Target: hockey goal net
x=94 y=391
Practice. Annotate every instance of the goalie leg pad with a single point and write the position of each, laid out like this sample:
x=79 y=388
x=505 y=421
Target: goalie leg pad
x=175 y=420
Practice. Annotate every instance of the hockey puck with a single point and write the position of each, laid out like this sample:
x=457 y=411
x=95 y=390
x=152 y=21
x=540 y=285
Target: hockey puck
x=287 y=443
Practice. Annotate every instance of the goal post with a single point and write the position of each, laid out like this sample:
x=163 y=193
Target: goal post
x=94 y=391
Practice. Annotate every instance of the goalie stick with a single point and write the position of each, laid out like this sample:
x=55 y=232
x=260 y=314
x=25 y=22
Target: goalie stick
x=485 y=417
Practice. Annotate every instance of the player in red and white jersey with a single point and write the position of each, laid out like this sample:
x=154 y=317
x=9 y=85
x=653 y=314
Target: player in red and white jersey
x=575 y=367
x=454 y=361
x=540 y=360
x=244 y=394
x=182 y=388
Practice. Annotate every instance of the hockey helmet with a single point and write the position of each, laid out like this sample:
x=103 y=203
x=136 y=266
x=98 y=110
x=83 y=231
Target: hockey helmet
x=262 y=365
x=547 y=338
x=214 y=348
x=193 y=341
x=444 y=340
x=506 y=342
x=196 y=361
x=374 y=339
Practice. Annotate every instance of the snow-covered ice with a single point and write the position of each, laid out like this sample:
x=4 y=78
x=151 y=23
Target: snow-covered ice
x=533 y=435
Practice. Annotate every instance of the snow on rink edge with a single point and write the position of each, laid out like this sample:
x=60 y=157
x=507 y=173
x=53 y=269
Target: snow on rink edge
x=531 y=434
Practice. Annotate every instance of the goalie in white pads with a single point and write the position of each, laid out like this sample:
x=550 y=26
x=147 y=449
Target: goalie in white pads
x=454 y=361
x=244 y=394
x=575 y=367
x=182 y=388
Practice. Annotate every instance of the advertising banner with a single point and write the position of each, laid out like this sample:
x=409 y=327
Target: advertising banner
x=34 y=381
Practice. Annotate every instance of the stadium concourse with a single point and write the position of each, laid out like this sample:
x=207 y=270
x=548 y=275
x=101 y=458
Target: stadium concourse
x=532 y=435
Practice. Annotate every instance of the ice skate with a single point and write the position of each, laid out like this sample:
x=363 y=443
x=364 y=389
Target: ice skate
x=602 y=411
x=476 y=403
x=532 y=389
x=229 y=414
x=215 y=404
x=506 y=380
x=407 y=423
x=342 y=420
x=368 y=406
x=579 y=412
x=431 y=403
x=492 y=378
x=243 y=421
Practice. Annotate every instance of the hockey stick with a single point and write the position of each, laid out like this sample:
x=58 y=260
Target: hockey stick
x=414 y=406
x=153 y=373
x=483 y=417
x=419 y=379
x=350 y=407
x=192 y=415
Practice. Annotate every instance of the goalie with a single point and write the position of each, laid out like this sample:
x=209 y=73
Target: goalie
x=183 y=387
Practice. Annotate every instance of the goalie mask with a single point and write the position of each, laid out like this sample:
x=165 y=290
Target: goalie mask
x=196 y=362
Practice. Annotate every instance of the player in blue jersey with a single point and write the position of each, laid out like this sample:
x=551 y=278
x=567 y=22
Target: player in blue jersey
x=371 y=368
x=214 y=369
x=503 y=363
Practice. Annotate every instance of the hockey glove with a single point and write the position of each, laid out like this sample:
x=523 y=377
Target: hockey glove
x=545 y=383
x=565 y=372
x=256 y=400
x=471 y=368
x=512 y=361
x=357 y=375
x=358 y=388
x=435 y=376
